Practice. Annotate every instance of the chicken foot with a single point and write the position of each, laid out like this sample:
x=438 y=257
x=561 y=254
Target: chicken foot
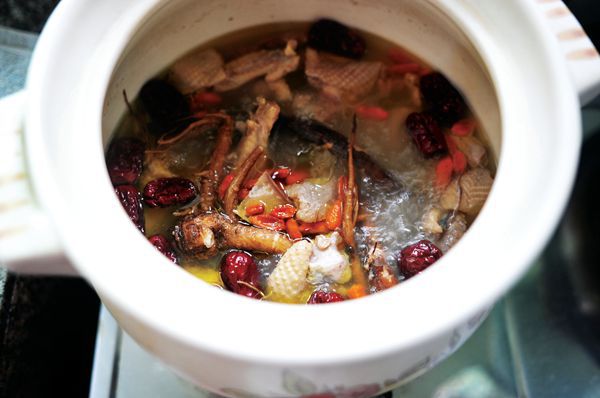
x=204 y=235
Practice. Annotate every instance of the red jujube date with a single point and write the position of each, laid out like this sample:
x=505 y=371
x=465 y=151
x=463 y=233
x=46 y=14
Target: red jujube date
x=240 y=274
x=323 y=297
x=124 y=160
x=426 y=134
x=165 y=192
x=131 y=200
x=416 y=258
x=164 y=246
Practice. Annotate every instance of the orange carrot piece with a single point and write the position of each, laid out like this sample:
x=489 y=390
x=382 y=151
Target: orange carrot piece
x=284 y=211
x=225 y=184
x=459 y=162
x=292 y=228
x=314 y=228
x=401 y=69
x=372 y=112
x=268 y=222
x=255 y=209
x=464 y=127
x=443 y=171
x=296 y=177
x=333 y=218
x=356 y=291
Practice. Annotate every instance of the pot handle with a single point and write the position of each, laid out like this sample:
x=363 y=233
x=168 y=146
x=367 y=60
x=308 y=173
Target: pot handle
x=581 y=55
x=28 y=242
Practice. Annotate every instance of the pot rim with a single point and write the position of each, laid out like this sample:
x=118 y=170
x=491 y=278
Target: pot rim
x=169 y=314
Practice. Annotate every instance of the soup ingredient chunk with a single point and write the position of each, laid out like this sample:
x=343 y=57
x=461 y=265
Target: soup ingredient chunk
x=265 y=193
x=475 y=187
x=331 y=36
x=124 y=160
x=468 y=192
x=288 y=279
x=164 y=246
x=417 y=257
x=381 y=274
x=456 y=226
x=341 y=77
x=382 y=277
x=165 y=192
x=231 y=194
x=204 y=235
x=273 y=63
x=197 y=70
x=327 y=262
x=258 y=129
x=240 y=274
x=210 y=178
x=473 y=150
x=324 y=297
x=311 y=199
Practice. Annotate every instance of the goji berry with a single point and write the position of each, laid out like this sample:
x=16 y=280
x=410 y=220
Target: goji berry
x=255 y=209
x=283 y=211
x=296 y=177
x=333 y=217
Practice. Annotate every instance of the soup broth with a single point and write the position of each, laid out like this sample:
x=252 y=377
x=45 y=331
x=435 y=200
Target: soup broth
x=301 y=163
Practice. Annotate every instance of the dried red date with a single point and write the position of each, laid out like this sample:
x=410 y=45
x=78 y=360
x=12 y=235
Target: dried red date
x=323 y=297
x=416 y=258
x=131 y=200
x=124 y=160
x=164 y=246
x=333 y=37
x=449 y=111
x=444 y=100
x=435 y=88
x=163 y=103
x=240 y=274
x=164 y=192
x=426 y=134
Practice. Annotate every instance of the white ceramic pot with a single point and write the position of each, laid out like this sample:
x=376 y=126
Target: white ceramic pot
x=503 y=55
